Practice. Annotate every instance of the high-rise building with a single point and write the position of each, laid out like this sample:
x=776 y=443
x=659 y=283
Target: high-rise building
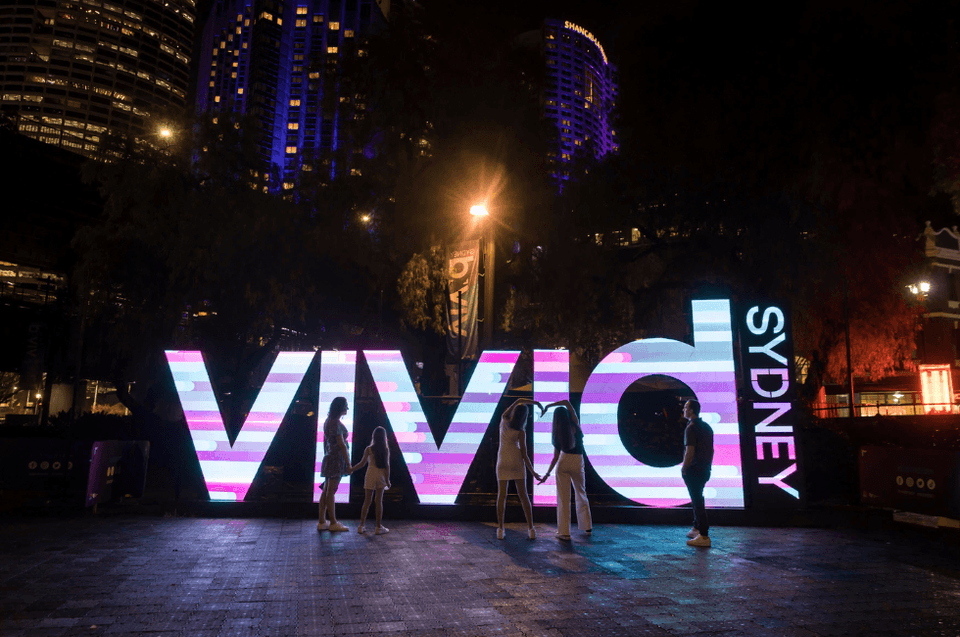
x=282 y=62
x=74 y=71
x=580 y=94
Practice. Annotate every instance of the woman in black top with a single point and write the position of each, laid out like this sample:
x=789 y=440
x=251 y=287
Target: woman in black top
x=568 y=458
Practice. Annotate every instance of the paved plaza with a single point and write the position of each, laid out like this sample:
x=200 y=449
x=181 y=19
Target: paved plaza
x=139 y=575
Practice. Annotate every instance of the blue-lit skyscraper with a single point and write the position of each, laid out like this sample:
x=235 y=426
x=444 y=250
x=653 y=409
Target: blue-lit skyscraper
x=580 y=94
x=282 y=61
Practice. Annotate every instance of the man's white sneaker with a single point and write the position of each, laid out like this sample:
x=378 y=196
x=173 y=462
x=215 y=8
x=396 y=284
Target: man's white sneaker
x=699 y=541
x=692 y=533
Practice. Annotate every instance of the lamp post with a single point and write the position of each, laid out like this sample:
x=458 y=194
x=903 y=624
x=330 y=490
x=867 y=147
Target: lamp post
x=488 y=269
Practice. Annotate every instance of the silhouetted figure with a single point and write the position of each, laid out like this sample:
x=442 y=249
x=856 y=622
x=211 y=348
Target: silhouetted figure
x=568 y=458
x=335 y=463
x=697 y=460
x=377 y=478
x=511 y=458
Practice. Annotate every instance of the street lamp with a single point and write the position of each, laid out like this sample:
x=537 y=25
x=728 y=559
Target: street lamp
x=920 y=290
x=488 y=265
x=479 y=210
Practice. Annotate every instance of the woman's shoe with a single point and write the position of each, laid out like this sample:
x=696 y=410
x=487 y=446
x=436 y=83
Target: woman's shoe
x=564 y=538
x=323 y=526
x=336 y=526
x=499 y=532
x=360 y=529
x=532 y=533
x=382 y=530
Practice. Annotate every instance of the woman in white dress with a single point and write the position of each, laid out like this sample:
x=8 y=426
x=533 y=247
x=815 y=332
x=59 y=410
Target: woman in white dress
x=513 y=462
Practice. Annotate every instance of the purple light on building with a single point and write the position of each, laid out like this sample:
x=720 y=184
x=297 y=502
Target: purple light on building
x=282 y=62
x=580 y=94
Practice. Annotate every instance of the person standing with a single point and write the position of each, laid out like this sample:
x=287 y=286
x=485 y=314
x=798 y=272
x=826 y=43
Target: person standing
x=335 y=464
x=697 y=460
x=513 y=462
x=377 y=459
x=568 y=458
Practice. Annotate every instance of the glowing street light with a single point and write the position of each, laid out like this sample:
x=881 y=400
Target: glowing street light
x=479 y=210
x=165 y=132
x=920 y=290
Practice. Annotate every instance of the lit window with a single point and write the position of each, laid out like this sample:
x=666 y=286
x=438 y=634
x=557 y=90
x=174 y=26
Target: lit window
x=216 y=98
x=293 y=125
x=331 y=49
x=294 y=102
x=239 y=30
x=334 y=26
x=301 y=23
x=279 y=22
x=212 y=83
x=239 y=91
x=287 y=185
x=355 y=172
x=348 y=33
x=301 y=11
x=233 y=75
x=317 y=18
x=315 y=76
x=291 y=150
x=246 y=22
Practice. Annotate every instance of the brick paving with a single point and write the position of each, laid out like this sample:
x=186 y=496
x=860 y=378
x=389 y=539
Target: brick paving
x=131 y=575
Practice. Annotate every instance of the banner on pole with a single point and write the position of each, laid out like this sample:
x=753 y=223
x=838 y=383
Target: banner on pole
x=462 y=268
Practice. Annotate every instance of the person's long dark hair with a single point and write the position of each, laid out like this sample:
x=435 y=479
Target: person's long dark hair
x=564 y=431
x=381 y=452
x=518 y=419
x=338 y=407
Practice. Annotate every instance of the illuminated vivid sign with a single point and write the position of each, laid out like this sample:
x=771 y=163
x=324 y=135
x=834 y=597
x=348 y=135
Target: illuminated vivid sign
x=437 y=471
x=578 y=29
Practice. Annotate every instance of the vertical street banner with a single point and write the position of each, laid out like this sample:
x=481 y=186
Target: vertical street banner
x=463 y=263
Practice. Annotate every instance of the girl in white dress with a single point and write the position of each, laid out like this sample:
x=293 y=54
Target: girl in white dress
x=377 y=459
x=512 y=457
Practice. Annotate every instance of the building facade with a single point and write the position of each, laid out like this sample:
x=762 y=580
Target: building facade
x=580 y=94
x=75 y=71
x=282 y=63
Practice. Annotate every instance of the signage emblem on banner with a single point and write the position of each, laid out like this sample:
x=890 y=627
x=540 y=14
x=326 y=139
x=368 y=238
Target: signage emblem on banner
x=437 y=471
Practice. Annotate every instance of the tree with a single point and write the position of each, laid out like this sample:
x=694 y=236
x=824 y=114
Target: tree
x=195 y=252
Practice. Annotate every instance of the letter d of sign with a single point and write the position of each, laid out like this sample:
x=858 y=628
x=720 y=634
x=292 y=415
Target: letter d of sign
x=708 y=369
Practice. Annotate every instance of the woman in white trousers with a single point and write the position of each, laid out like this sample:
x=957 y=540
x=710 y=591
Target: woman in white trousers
x=568 y=459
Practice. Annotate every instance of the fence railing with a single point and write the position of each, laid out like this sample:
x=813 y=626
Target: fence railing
x=869 y=410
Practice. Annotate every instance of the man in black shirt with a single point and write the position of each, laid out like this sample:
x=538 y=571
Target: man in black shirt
x=697 y=460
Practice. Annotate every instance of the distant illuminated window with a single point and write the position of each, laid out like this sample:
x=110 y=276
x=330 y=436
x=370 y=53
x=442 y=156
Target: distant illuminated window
x=216 y=98
x=291 y=150
x=348 y=33
x=287 y=185
x=294 y=102
x=240 y=91
x=301 y=23
x=317 y=18
x=331 y=49
x=334 y=26
x=301 y=10
x=293 y=125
